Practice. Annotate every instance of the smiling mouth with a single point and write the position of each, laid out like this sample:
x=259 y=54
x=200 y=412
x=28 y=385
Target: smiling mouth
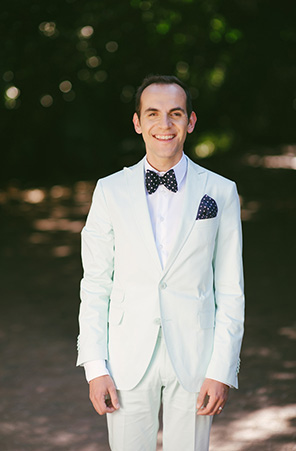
x=164 y=137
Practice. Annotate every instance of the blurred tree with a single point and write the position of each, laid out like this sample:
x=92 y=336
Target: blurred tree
x=69 y=70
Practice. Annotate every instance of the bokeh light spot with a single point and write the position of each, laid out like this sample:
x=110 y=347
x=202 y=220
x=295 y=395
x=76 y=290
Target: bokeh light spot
x=179 y=38
x=65 y=86
x=112 y=46
x=11 y=104
x=86 y=32
x=215 y=36
x=11 y=96
x=205 y=149
x=182 y=69
x=100 y=75
x=8 y=75
x=127 y=94
x=218 y=24
x=163 y=28
x=12 y=93
x=233 y=35
x=93 y=61
x=46 y=101
x=217 y=77
x=213 y=142
x=48 y=28
x=145 y=6
x=69 y=96
x=33 y=196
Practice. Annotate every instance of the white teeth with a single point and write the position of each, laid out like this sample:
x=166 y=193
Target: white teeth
x=164 y=137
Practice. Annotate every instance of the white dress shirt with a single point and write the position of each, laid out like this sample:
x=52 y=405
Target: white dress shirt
x=165 y=208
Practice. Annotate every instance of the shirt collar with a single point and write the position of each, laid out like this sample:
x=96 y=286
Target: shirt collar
x=179 y=169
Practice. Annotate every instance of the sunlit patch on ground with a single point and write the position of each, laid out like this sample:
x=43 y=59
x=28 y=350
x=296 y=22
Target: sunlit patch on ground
x=258 y=427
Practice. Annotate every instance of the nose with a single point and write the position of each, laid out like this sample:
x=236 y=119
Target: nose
x=165 y=121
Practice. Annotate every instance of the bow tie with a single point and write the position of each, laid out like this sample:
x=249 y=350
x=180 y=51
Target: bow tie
x=153 y=180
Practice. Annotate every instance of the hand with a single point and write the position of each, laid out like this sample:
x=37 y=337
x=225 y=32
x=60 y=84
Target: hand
x=216 y=392
x=103 y=395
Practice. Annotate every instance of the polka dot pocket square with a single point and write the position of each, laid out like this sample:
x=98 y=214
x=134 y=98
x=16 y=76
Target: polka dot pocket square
x=208 y=208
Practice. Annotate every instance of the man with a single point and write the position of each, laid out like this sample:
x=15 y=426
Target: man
x=162 y=305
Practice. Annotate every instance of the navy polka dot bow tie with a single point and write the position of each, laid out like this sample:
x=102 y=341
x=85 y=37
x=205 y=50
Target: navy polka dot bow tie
x=153 y=180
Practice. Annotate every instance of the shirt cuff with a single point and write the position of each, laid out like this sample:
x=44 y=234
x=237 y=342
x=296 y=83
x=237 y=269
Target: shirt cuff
x=95 y=368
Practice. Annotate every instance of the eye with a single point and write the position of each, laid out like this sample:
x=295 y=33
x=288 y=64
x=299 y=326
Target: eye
x=177 y=114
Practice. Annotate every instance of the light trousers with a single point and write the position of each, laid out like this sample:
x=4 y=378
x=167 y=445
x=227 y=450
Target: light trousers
x=135 y=425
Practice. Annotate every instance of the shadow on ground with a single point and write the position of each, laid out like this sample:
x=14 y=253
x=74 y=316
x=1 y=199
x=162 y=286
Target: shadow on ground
x=44 y=399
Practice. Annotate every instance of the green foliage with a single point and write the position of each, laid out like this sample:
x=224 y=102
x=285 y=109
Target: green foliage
x=69 y=70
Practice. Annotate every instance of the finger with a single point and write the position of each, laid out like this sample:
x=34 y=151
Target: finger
x=202 y=399
x=221 y=401
x=219 y=410
x=99 y=405
x=209 y=408
x=214 y=409
x=102 y=403
x=106 y=406
x=114 y=398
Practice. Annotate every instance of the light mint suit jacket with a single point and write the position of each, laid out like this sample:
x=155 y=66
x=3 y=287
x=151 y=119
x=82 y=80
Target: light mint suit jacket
x=197 y=298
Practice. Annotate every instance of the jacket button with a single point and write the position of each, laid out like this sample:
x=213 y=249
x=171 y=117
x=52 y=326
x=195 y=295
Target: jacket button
x=163 y=285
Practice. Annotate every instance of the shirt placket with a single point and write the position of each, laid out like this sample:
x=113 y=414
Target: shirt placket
x=161 y=224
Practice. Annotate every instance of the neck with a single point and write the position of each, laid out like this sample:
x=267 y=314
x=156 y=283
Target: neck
x=163 y=164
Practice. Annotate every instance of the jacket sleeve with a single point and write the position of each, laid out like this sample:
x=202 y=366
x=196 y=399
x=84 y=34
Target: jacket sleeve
x=96 y=285
x=229 y=294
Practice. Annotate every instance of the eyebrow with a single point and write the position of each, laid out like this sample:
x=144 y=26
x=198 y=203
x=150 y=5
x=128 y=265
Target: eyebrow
x=178 y=108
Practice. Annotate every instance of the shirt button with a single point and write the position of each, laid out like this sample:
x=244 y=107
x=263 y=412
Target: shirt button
x=157 y=321
x=163 y=285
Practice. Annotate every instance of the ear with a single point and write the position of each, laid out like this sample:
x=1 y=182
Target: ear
x=192 y=122
x=136 y=123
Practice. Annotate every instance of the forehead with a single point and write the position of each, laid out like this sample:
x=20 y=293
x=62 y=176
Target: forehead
x=163 y=97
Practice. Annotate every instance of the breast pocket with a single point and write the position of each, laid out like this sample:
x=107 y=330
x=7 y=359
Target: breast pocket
x=210 y=222
x=206 y=228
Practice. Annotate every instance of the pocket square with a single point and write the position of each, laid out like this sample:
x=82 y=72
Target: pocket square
x=208 y=208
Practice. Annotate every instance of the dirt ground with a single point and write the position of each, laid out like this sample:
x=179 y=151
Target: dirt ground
x=44 y=402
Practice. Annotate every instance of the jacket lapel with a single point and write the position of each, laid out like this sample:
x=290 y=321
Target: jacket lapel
x=135 y=176
x=194 y=191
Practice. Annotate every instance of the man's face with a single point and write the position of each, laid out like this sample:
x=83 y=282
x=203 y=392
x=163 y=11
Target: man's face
x=164 y=124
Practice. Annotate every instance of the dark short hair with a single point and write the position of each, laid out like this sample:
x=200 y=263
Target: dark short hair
x=162 y=80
